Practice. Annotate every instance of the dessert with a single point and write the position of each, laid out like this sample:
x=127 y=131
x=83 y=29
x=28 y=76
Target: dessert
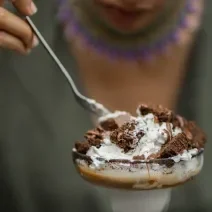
x=153 y=150
x=157 y=149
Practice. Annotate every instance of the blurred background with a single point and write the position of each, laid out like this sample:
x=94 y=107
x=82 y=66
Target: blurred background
x=40 y=121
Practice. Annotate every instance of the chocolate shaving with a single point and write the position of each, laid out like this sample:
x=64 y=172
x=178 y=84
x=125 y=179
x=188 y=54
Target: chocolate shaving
x=124 y=137
x=176 y=146
x=145 y=109
x=162 y=114
x=195 y=135
x=109 y=125
x=122 y=133
x=82 y=147
x=94 y=137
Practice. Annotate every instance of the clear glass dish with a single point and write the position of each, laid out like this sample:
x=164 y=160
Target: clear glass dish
x=137 y=174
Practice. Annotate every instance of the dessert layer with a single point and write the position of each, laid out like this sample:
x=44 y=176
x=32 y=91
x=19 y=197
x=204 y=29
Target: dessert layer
x=156 y=133
x=138 y=176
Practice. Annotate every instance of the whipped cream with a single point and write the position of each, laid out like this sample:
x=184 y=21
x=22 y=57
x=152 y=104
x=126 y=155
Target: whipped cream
x=114 y=115
x=154 y=137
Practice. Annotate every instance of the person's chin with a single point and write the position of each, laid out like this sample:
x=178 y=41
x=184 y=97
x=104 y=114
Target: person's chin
x=126 y=21
x=123 y=19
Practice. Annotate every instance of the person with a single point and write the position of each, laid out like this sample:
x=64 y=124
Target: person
x=120 y=52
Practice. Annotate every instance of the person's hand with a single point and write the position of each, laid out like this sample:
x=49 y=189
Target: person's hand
x=15 y=33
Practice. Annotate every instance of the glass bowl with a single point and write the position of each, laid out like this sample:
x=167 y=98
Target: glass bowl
x=137 y=174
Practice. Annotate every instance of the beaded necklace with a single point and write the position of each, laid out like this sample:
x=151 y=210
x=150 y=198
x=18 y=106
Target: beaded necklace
x=78 y=20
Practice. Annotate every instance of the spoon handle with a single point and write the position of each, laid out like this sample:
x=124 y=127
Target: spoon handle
x=87 y=103
x=52 y=54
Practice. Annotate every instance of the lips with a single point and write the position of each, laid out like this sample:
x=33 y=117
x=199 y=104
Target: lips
x=132 y=4
x=127 y=15
x=120 y=17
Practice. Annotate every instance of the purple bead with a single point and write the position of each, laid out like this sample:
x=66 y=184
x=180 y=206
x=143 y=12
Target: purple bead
x=63 y=16
x=128 y=54
x=66 y=15
x=113 y=54
x=183 y=23
x=135 y=54
x=191 y=8
x=68 y=31
x=75 y=27
x=159 y=46
x=99 y=48
x=164 y=46
x=174 y=37
x=146 y=54
x=89 y=41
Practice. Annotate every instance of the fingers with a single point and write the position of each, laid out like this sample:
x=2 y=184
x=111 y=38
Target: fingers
x=15 y=33
x=26 y=7
x=8 y=41
x=17 y=27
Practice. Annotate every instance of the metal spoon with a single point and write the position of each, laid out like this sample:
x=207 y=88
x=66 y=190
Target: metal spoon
x=87 y=103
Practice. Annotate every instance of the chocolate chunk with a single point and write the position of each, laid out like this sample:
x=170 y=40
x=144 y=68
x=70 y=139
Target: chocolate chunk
x=162 y=114
x=176 y=146
x=139 y=157
x=130 y=126
x=109 y=124
x=123 y=140
x=82 y=147
x=94 y=137
x=195 y=135
x=145 y=109
x=124 y=136
x=121 y=131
